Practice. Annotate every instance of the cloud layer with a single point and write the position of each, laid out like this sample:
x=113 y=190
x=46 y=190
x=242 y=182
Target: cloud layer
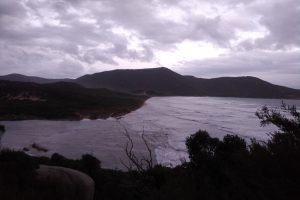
x=68 y=38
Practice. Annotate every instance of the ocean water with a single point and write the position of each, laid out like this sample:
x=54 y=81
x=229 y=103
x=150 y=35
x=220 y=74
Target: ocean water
x=166 y=122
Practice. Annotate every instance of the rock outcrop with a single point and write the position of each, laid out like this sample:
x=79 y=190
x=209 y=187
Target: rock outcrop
x=67 y=183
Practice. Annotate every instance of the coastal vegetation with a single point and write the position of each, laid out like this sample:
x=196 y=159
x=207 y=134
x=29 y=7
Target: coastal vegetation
x=62 y=101
x=228 y=168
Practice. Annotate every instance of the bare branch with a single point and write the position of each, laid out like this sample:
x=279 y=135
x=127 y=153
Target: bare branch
x=140 y=164
x=150 y=158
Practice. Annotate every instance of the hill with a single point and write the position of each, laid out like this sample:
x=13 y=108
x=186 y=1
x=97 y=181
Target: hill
x=248 y=87
x=61 y=100
x=164 y=82
x=157 y=81
x=33 y=79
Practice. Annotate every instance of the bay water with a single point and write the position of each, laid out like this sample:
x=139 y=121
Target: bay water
x=165 y=122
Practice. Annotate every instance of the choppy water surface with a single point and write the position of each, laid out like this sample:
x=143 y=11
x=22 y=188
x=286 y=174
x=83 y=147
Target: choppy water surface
x=166 y=121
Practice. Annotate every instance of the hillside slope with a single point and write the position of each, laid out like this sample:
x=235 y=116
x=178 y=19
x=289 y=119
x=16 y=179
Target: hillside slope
x=164 y=82
x=32 y=79
x=157 y=81
x=19 y=100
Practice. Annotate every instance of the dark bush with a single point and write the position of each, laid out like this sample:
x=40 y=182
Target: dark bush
x=201 y=147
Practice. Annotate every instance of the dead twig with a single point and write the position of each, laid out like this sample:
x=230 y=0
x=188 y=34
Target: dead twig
x=142 y=163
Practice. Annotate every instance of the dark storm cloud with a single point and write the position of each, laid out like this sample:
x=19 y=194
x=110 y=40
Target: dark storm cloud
x=143 y=19
x=77 y=28
x=246 y=63
x=39 y=37
x=61 y=33
x=11 y=8
x=282 y=20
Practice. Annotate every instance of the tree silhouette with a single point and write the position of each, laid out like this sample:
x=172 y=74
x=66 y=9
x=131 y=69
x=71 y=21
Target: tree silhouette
x=285 y=141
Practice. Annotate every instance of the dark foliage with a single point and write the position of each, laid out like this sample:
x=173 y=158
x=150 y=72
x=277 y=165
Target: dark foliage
x=17 y=174
x=2 y=128
x=201 y=147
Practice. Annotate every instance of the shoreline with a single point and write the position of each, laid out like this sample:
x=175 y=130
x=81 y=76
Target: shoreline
x=103 y=139
x=82 y=115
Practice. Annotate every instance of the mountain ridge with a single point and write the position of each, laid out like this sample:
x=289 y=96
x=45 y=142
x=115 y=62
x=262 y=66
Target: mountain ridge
x=165 y=82
x=35 y=79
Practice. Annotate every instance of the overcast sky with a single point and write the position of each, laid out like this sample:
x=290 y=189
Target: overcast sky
x=204 y=38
